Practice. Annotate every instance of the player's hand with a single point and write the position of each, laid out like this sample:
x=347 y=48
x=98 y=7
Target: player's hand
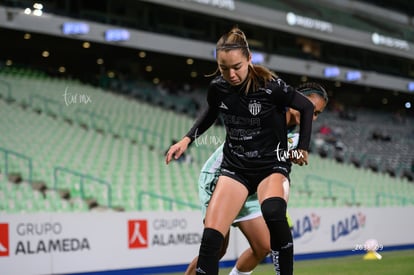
x=176 y=150
x=299 y=156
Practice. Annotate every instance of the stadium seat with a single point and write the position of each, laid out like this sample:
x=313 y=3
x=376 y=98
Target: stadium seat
x=136 y=170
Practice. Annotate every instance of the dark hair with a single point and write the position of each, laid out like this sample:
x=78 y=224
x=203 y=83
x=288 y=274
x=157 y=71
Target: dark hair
x=236 y=39
x=309 y=88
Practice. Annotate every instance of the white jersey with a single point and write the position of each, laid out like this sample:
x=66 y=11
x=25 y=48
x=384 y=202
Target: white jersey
x=293 y=139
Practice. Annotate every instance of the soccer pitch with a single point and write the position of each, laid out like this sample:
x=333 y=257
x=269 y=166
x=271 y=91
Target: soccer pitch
x=393 y=262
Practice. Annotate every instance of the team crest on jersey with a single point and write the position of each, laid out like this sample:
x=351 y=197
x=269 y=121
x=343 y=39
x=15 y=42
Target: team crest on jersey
x=254 y=107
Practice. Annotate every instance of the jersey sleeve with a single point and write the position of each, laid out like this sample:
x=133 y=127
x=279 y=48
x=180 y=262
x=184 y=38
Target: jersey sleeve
x=287 y=96
x=305 y=107
x=207 y=117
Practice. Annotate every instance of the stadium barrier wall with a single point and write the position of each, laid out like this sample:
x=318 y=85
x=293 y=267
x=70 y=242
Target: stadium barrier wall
x=332 y=232
x=151 y=242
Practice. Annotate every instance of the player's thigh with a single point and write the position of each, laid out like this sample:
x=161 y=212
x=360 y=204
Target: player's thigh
x=257 y=234
x=275 y=185
x=226 y=202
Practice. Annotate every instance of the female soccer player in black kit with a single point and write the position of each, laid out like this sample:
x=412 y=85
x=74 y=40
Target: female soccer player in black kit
x=251 y=101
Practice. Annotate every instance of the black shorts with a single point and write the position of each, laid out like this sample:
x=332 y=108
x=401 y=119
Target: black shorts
x=251 y=179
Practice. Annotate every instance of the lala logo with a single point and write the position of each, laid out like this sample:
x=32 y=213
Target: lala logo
x=347 y=226
x=137 y=234
x=303 y=228
x=4 y=239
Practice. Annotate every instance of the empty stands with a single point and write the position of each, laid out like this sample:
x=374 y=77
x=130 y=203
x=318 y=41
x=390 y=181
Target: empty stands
x=97 y=150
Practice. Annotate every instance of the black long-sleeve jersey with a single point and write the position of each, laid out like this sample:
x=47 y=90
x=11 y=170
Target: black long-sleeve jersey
x=256 y=131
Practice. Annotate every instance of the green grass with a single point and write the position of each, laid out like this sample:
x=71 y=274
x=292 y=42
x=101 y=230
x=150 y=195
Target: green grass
x=394 y=262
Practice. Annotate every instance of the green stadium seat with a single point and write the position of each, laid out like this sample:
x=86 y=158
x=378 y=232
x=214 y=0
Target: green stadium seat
x=133 y=168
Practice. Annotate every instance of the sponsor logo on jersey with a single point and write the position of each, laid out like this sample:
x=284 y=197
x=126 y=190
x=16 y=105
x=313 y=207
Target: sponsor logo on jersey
x=267 y=91
x=223 y=106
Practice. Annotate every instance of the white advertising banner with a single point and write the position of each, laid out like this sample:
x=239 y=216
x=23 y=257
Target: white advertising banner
x=346 y=229
x=89 y=242
x=68 y=243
